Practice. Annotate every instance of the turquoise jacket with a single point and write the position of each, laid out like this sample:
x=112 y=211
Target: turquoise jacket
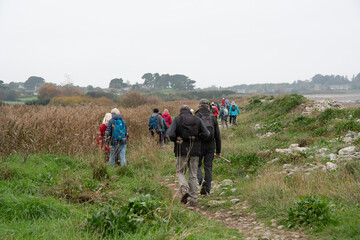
x=234 y=113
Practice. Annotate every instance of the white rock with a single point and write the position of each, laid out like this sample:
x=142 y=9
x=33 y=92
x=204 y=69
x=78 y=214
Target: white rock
x=233 y=190
x=257 y=126
x=331 y=166
x=295 y=145
x=235 y=200
x=279 y=150
x=332 y=157
x=226 y=182
x=274 y=160
x=348 y=140
x=322 y=150
x=247 y=177
x=215 y=202
x=347 y=150
x=287 y=166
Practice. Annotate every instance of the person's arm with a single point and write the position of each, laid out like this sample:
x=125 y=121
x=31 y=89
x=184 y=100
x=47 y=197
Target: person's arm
x=160 y=121
x=108 y=132
x=172 y=130
x=217 y=138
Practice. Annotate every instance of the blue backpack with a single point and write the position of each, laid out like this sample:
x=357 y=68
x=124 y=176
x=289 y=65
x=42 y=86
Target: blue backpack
x=119 y=132
x=153 y=123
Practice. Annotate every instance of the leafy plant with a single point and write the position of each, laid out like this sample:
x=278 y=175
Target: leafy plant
x=248 y=162
x=139 y=211
x=309 y=211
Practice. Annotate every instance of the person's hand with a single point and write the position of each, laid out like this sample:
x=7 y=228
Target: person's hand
x=218 y=155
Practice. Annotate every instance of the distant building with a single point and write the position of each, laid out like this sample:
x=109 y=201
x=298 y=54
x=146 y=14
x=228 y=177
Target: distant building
x=339 y=87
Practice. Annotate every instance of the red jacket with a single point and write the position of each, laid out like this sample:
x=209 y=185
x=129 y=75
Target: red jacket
x=223 y=102
x=100 y=137
x=167 y=118
x=216 y=111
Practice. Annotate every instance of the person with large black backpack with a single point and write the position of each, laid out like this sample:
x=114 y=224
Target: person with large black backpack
x=116 y=136
x=156 y=125
x=187 y=132
x=208 y=146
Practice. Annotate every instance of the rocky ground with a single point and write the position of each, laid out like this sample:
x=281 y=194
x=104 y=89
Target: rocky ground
x=238 y=216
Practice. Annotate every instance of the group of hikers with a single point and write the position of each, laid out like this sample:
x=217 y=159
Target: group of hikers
x=196 y=138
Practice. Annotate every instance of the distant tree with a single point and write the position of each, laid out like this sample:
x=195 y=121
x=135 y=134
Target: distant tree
x=71 y=91
x=2 y=85
x=117 y=83
x=148 y=80
x=33 y=82
x=355 y=83
x=48 y=90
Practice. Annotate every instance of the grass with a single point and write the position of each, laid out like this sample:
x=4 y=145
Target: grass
x=52 y=195
x=52 y=178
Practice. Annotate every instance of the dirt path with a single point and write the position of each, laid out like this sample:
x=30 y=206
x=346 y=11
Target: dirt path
x=238 y=217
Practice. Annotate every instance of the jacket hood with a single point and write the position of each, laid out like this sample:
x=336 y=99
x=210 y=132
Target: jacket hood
x=116 y=116
x=165 y=114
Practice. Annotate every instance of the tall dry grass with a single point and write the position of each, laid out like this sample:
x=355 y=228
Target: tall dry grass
x=69 y=130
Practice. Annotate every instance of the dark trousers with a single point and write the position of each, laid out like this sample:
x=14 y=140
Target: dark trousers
x=208 y=163
x=233 y=119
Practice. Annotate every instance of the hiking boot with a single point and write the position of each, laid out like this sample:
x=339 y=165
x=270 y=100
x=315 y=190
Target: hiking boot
x=203 y=188
x=185 y=194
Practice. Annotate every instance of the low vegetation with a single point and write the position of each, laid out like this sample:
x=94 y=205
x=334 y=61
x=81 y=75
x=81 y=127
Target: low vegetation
x=54 y=182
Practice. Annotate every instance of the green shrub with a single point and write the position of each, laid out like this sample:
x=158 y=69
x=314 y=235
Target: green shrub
x=348 y=125
x=284 y=104
x=274 y=127
x=253 y=103
x=248 y=162
x=140 y=211
x=320 y=132
x=309 y=211
x=303 y=121
x=41 y=102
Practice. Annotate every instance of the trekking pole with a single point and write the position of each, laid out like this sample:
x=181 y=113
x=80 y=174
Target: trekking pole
x=224 y=159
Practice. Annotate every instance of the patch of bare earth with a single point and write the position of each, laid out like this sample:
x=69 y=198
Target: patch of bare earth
x=238 y=217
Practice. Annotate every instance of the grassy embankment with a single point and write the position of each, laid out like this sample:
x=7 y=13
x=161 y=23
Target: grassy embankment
x=271 y=194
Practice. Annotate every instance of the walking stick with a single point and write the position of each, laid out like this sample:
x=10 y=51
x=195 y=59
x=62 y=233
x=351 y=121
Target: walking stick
x=224 y=159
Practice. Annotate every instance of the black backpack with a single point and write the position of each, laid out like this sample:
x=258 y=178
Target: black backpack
x=209 y=124
x=233 y=108
x=189 y=127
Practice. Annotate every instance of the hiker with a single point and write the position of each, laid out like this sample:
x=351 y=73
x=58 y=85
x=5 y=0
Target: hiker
x=208 y=146
x=223 y=101
x=101 y=136
x=187 y=131
x=167 y=121
x=214 y=109
x=116 y=135
x=233 y=112
x=223 y=116
x=227 y=104
x=156 y=125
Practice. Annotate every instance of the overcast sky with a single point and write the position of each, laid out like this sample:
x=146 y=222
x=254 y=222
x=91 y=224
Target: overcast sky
x=214 y=42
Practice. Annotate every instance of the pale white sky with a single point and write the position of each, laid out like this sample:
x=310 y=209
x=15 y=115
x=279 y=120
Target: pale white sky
x=214 y=42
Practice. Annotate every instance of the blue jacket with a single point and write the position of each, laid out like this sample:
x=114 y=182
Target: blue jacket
x=109 y=129
x=234 y=113
x=227 y=102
